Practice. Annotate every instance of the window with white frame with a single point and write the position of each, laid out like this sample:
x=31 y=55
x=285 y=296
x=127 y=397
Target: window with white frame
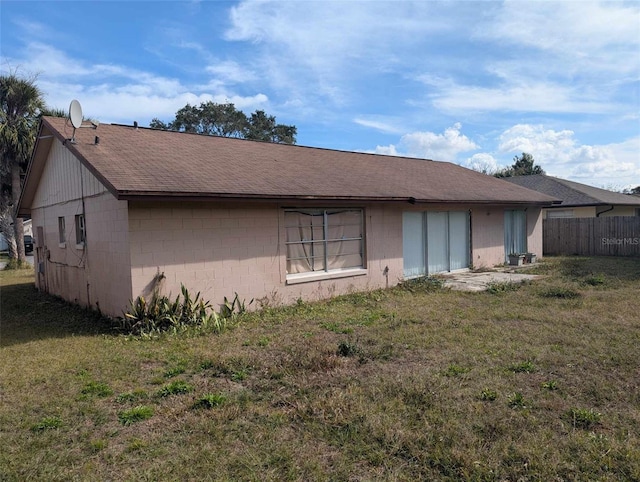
x=80 y=229
x=323 y=240
x=62 y=235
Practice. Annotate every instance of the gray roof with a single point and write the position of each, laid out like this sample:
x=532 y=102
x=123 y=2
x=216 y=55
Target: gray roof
x=573 y=193
x=140 y=163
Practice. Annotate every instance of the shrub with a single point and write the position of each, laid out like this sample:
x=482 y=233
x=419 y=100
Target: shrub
x=135 y=414
x=161 y=314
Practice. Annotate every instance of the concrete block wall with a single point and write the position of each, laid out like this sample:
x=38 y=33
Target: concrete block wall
x=95 y=274
x=220 y=250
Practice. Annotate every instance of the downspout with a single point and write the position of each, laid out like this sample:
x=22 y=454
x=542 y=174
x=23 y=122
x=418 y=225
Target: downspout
x=605 y=211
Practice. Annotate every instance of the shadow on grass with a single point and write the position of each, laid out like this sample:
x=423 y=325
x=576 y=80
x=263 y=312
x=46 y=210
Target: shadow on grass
x=28 y=315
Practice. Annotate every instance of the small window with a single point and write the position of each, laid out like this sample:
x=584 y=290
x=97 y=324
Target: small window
x=559 y=213
x=80 y=231
x=62 y=235
x=324 y=240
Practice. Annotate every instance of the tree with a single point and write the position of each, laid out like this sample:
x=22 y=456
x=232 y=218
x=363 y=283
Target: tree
x=225 y=120
x=21 y=102
x=523 y=165
x=635 y=191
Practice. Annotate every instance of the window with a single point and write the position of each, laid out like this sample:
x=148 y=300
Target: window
x=515 y=232
x=80 y=231
x=559 y=213
x=323 y=240
x=62 y=235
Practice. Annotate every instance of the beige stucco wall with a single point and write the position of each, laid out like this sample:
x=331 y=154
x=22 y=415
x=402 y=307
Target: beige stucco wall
x=97 y=273
x=239 y=248
x=221 y=250
x=593 y=211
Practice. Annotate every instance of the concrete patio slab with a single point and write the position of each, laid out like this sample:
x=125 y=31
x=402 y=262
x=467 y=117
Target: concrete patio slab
x=470 y=281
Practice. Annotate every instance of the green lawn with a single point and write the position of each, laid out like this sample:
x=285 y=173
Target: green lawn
x=536 y=383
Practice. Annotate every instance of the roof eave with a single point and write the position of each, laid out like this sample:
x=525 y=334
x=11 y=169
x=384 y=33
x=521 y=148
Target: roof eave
x=199 y=196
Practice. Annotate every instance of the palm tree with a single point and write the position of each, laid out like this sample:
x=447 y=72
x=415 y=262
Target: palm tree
x=21 y=102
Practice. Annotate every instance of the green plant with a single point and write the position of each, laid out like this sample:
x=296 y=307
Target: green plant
x=583 y=418
x=97 y=389
x=239 y=375
x=496 y=287
x=346 y=349
x=517 y=400
x=422 y=284
x=135 y=414
x=47 y=423
x=488 y=395
x=175 y=371
x=595 y=280
x=177 y=387
x=210 y=400
x=550 y=385
x=561 y=292
x=97 y=445
x=526 y=366
x=14 y=264
x=133 y=396
x=233 y=308
x=160 y=313
x=454 y=370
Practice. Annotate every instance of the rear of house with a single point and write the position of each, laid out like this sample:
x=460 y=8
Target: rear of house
x=123 y=211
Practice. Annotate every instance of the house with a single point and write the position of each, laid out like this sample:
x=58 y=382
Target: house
x=4 y=244
x=578 y=200
x=119 y=211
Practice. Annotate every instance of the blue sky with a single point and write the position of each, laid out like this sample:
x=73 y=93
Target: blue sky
x=473 y=82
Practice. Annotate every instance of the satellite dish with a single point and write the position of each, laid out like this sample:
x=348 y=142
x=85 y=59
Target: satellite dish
x=75 y=113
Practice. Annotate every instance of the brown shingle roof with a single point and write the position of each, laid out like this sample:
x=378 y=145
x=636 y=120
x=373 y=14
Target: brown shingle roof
x=144 y=162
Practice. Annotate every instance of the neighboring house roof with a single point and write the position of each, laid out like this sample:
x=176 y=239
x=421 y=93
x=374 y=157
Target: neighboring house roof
x=573 y=194
x=142 y=163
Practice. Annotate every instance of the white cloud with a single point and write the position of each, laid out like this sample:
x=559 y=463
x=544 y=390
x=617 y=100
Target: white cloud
x=429 y=145
x=560 y=154
x=578 y=30
x=379 y=125
x=482 y=162
x=526 y=97
x=116 y=93
x=230 y=72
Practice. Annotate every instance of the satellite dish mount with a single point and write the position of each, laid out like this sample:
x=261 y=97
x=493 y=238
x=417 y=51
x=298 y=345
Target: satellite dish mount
x=75 y=116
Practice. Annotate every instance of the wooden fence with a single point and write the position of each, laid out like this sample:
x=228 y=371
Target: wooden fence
x=604 y=236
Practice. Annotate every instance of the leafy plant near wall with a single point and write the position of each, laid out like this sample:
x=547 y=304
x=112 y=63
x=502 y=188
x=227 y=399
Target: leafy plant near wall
x=161 y=314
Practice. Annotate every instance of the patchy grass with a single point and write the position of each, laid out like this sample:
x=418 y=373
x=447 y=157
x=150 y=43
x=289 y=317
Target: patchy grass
x=410 y=383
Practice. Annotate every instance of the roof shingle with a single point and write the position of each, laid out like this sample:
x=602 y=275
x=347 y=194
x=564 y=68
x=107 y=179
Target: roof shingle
x=573 y=193
x=140 y=162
